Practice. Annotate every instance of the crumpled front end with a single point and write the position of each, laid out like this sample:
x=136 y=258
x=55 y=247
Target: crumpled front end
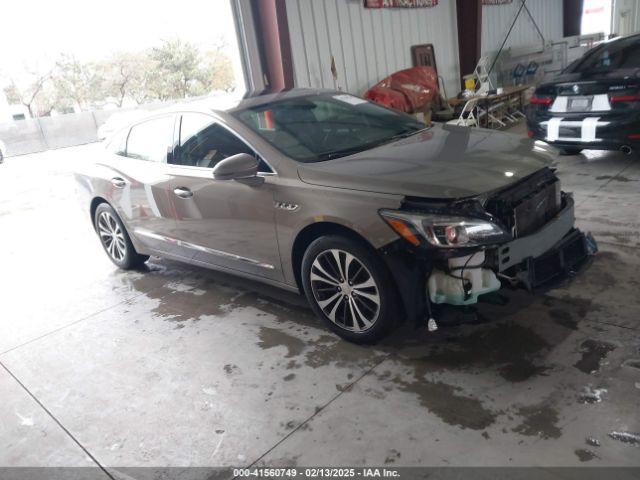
x=522 y=236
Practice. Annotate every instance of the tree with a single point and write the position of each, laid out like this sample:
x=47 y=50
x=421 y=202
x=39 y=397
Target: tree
x=123 y=76
x=172 y=70
x=177 y=69
x=182 y=71
x=52 y=98
x=27 y=93
x=76 y=81
x=218 y=71
x=12 y=94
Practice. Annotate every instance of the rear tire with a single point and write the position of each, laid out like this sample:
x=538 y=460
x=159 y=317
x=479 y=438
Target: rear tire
x=570 y=151
x=115 y=240
x=349 y=287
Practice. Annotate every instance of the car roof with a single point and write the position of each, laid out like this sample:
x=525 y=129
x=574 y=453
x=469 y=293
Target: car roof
x=223 y=103
x=634 y=37
x=228 y=103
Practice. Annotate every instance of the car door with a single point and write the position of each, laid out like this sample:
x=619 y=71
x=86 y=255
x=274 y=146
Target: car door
x=221 y=222
x=141 y=187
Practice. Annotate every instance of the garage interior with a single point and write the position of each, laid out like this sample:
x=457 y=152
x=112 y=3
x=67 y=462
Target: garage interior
x=178 y=366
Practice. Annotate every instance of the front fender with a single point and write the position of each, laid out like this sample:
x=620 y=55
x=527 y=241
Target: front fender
x=354 y=210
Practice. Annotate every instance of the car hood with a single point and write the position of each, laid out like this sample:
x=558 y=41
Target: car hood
x=445 y=161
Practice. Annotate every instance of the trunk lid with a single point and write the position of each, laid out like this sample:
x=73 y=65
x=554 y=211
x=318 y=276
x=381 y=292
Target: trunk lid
x=592 y=92
x=591 y=83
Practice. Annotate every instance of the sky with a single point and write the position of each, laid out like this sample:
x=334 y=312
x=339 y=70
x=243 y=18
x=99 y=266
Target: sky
x=36 y=32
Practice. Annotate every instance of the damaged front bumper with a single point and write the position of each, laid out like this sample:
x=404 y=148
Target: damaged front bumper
x=553 y=253
x=540 y=260
x=536 y=260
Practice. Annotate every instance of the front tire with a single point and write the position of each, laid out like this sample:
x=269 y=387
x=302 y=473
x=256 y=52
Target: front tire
x=349 y=287
x=115 y=240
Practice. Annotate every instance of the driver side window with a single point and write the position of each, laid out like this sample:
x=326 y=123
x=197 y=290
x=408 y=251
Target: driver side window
x=204 y=143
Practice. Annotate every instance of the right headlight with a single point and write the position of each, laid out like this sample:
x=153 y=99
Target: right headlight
x=444 y=231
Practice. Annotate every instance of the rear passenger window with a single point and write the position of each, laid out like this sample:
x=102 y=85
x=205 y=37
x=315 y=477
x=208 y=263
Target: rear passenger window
x=151 y=140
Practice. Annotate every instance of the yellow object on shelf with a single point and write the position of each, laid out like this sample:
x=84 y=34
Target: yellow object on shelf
x=470 y=83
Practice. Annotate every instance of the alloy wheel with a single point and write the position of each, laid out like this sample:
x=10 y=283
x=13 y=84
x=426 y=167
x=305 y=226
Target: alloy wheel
x=112 y=236
x=345 y=290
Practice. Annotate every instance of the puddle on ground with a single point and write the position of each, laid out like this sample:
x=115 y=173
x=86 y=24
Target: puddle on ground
x=563 y=318
x=279 y=308
x=272 y=337
x=331 y=349
x=538 y=421
x=593 y=352
x=632 y=363
x=585 y=455
x=201 y=294
x=393 y=456
x=617 y=178
x=180 y=305
x=580 y=306
x=509 y=347
x=448 y=404
x=521 y=370
x=319 y=352
x=231 y=369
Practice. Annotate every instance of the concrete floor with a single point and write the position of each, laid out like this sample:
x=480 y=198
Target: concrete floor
x=180 y=366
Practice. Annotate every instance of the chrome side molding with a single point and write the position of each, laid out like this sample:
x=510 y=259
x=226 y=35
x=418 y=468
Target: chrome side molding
x=201 y=248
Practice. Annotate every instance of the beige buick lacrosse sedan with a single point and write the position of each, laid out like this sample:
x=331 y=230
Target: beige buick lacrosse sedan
x=375 y=217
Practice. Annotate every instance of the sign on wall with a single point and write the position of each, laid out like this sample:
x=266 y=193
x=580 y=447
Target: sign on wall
x=399 y=3
x=496 y=2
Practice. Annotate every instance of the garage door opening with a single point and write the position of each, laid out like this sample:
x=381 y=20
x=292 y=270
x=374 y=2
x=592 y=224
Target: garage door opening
x=75 y=72
x=596 y=17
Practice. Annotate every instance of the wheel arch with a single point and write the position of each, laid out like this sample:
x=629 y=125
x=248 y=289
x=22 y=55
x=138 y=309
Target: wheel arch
x=313 y=231
x=95 y=201
x=93 y=206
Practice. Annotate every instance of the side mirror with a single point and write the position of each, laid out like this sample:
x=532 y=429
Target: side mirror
x=242 y=167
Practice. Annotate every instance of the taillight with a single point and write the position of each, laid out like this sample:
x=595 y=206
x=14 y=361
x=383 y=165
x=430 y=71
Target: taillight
x=625 y=98
x=536 y=100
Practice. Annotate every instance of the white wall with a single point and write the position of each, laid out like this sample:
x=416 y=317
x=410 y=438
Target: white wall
x=367 y=44
x=626 y=17
x=496 y=20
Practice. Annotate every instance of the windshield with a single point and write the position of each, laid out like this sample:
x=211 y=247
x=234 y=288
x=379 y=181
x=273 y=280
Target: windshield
x=315 y=128
x=619 y=54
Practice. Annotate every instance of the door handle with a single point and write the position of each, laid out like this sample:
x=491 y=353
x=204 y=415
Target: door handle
x=118 y=182
x=183 y=192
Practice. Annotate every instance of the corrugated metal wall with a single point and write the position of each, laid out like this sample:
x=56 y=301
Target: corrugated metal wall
x=367 y=44
x=496 y=20
x=626 y=17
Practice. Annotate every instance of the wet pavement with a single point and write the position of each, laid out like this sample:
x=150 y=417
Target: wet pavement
x=175 y=365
